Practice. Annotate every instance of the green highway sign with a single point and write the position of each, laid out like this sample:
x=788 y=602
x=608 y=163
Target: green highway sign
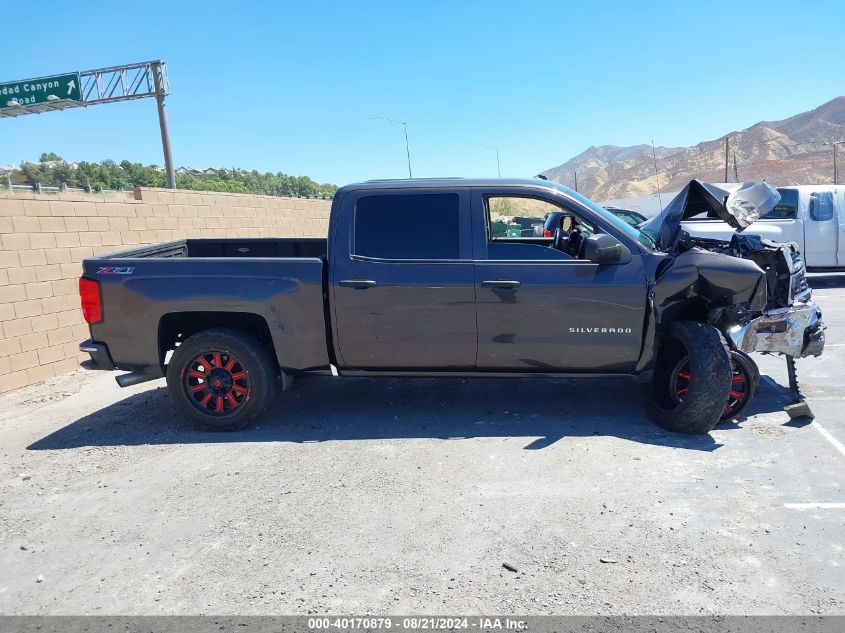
x=45 y=90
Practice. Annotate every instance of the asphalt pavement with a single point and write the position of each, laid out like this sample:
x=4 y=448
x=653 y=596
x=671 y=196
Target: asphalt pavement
x=425 y=496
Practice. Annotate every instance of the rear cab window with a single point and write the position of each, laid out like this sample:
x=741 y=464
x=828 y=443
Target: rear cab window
x=407 y=226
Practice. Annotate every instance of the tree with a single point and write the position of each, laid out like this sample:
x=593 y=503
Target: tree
x=52 y=170
x=62 y=174
x=504 y=207
x=34 y=172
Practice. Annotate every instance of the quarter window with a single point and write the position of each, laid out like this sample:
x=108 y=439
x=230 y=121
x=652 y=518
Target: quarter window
x=821 y=206
x=422 y=226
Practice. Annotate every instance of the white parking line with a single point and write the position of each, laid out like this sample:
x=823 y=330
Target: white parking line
x=826 y=434
x=815 y=506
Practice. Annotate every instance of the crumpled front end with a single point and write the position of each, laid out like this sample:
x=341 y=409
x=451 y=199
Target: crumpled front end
x=789 y=323
x=710 y=280
x=796 y=331
x=786 y=277
x=755 y=293
x=753 y=290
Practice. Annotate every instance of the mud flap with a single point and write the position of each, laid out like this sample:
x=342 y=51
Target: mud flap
x=287 y=380
x=799 y=408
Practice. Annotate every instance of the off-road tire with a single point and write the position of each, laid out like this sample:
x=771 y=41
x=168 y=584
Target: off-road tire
x=708 y=381
x=251 y=378
x=741 y=362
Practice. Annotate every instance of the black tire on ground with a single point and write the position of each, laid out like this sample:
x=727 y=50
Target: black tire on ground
x=692 y=379
x=744 y=378
x=221 y=378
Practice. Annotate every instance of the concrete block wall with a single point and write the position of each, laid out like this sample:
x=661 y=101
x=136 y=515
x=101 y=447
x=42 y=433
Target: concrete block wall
x=43 y=240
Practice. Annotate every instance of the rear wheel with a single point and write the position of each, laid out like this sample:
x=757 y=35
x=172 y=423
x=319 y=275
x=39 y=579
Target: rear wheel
x=221 y=378
x=692 y=379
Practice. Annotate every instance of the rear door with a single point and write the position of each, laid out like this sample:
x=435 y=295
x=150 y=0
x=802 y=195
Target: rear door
x=839 y=210
x=541 y=309
x=821 y=229
x=402 y=280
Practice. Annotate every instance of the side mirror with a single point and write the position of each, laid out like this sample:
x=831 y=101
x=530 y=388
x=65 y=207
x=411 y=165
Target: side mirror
x=602 y=248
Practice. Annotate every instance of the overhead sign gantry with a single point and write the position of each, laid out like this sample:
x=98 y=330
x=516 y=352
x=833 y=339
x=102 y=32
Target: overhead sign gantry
x=93 y=87
x=31 y=92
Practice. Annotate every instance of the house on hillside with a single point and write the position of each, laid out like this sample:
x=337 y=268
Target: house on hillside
x=196 y=171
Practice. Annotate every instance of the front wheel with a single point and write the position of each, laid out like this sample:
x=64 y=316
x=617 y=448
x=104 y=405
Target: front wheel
x=221 y=378
x=692 y=379
x=744 y=378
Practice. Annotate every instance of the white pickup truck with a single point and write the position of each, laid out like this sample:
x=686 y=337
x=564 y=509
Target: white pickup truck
x=812 y=216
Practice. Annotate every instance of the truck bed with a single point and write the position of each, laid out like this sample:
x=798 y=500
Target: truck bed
x=272 y=287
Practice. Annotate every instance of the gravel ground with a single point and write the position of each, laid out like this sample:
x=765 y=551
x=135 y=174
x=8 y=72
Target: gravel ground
x=391 y=496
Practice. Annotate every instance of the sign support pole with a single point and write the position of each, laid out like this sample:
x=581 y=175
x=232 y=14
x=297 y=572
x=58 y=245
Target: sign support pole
x=170 y=174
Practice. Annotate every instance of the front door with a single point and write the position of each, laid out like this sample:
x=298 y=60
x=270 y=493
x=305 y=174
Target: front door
x=402 y=280
x=543 y=308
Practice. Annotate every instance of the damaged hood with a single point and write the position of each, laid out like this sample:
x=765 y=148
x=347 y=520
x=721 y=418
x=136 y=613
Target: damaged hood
x=738 y=208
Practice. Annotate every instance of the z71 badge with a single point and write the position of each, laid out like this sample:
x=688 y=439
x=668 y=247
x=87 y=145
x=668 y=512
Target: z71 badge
x=116 y=270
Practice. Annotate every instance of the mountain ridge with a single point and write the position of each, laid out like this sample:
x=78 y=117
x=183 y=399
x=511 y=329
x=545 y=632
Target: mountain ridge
x=792 y=151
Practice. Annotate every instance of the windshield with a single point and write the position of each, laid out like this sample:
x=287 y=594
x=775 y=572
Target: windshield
x=642 y=238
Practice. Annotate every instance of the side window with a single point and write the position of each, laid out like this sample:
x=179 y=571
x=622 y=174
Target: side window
x=522 y=228
x=821 y=206
x=513 y=216
x=787 y=208
x=412 y=226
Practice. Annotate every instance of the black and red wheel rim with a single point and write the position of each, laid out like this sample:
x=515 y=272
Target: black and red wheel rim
x=216 y=382
x=680 y=380
x=738 y=395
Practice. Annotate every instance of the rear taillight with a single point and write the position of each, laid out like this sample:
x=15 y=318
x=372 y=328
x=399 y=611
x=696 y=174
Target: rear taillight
x=89 y=293
x=547 y=233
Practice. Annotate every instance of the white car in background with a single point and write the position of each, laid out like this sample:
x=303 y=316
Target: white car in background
x=812 y=216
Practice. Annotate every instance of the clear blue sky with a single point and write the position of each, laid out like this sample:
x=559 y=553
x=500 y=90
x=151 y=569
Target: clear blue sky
x=289 y=86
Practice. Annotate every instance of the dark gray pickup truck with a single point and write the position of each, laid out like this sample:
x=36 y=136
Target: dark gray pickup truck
x=412 y=281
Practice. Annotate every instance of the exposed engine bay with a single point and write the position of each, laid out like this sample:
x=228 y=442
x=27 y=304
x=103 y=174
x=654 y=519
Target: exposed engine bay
x=786 y=280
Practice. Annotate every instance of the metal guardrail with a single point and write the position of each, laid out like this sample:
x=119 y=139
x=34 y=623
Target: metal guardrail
x=41 y=189
x=49 y=189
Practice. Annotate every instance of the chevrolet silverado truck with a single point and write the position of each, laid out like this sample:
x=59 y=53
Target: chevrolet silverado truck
x=411 y=281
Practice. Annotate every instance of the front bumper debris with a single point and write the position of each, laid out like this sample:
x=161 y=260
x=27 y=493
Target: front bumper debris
x=796 y=331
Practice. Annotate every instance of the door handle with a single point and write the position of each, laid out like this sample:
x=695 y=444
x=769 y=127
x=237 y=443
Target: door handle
x=359 y=284
x=501 y=284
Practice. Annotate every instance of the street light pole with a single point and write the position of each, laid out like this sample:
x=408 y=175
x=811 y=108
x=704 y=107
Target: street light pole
x=835 y=171
x=498 y=164
x=407 y=146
